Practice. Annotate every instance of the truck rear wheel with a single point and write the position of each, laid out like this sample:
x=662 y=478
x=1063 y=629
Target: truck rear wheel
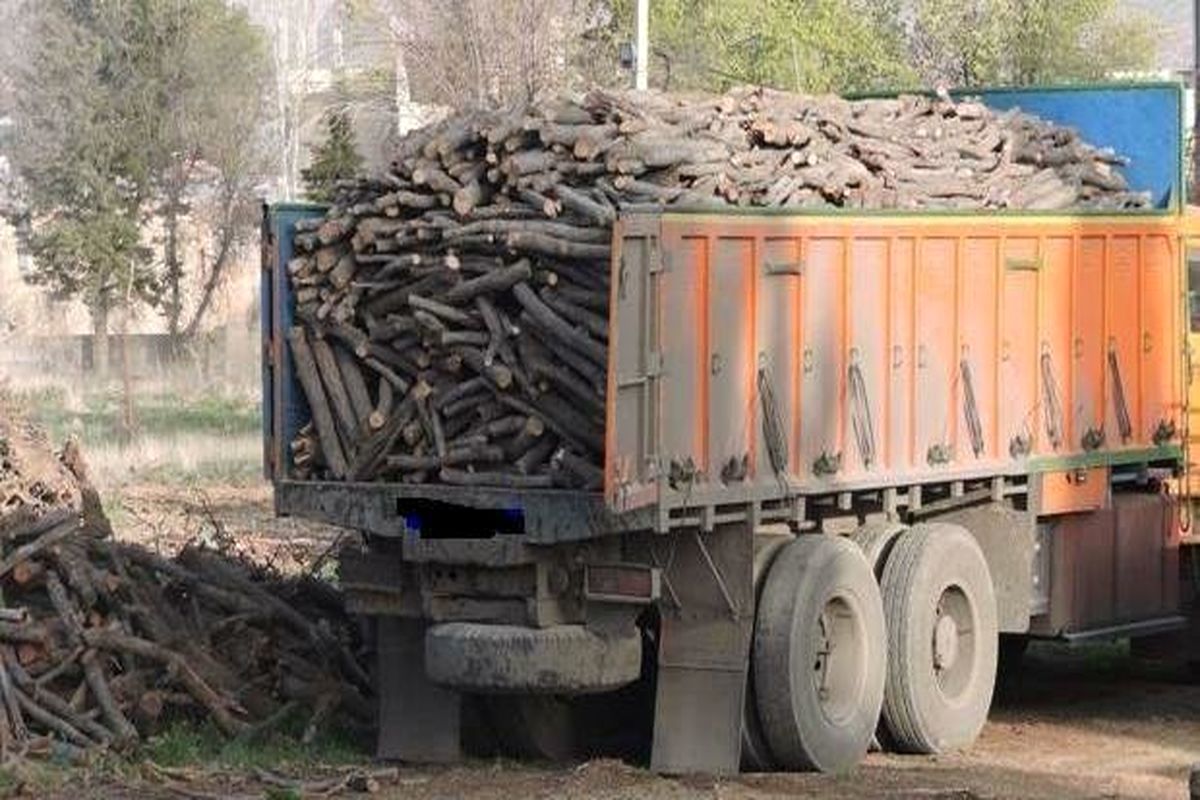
x=756 y=756
x=819 y=658
x=942 y=639
x=875 y=539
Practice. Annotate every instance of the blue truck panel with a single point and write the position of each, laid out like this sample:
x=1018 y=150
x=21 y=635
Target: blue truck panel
x=1141 y=122
x=284 y=408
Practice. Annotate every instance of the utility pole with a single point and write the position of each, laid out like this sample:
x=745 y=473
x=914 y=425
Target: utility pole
x=642 y=57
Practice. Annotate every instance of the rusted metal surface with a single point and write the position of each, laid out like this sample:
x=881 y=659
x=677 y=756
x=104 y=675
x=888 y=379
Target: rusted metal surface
x=1082 y=594
x=1066 y=491
x=1113 y=566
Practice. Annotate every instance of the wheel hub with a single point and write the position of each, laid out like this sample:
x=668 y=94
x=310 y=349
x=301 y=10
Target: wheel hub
x=838 y=663
x=945 y=642
x=953 y=641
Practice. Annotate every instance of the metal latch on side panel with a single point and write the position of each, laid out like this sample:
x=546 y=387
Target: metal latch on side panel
x=1023 y=263
x=654 y=364
x=653 y=370
x=660 y=261
x=784 y=267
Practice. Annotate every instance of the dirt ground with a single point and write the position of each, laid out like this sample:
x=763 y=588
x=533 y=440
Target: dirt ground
x=165 y=517
x=1071 y=723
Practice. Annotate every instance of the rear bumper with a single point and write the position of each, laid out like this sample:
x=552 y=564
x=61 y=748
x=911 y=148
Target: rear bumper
x=389 y=510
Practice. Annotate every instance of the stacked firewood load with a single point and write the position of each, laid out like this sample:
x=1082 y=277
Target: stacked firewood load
x=452 y=314
x=101 y=643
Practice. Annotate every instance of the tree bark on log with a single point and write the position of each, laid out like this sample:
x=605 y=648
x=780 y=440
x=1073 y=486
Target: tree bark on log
x=339 y=397
x=217 y=706
x=558 y=327
x=356 y=386
x=310 y=381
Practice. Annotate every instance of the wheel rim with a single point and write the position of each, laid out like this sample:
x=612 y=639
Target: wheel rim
x=839 y=668
x=953 y=642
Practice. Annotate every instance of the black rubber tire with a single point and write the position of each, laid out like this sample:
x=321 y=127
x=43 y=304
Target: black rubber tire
x=514 y=659
x=876 y=539
x=756 y=754
x=936 y=572
x=818 y=584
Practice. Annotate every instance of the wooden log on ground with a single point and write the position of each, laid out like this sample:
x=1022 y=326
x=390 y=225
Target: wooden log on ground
x=52 y=722
x=16 y=719
x=29 y=523
x=218 y=707
x=102 y=694
x=51 y=537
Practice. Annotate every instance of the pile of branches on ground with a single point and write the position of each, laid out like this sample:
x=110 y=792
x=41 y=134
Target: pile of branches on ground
x=452 y=314
x=102 y=641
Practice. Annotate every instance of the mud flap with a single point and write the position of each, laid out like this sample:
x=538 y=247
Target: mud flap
x=418 y=720
x=704 y=648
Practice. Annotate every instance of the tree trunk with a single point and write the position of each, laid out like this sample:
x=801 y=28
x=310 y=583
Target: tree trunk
x=216 y=275
x=174 y=275
x=100 y=340
x=128 y=415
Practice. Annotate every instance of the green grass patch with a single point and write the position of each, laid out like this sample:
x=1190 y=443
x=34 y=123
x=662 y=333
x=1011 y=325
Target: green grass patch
x=232 y=472
x=97 y=418
x=33 y=778
x=164 y=414
x=186 y=744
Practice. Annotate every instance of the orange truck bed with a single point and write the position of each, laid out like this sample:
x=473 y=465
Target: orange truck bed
x=776 y=357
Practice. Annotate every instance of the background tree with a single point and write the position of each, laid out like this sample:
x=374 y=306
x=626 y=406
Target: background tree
x=492 y=53
x=161 y=103
x=76 y=151
x=334 y=159
x=203 y=75
x=804 y=45
x=1024 y=42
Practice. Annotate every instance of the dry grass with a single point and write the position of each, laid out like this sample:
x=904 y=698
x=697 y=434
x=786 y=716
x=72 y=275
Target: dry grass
x=183 y=434
x=176 y=458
